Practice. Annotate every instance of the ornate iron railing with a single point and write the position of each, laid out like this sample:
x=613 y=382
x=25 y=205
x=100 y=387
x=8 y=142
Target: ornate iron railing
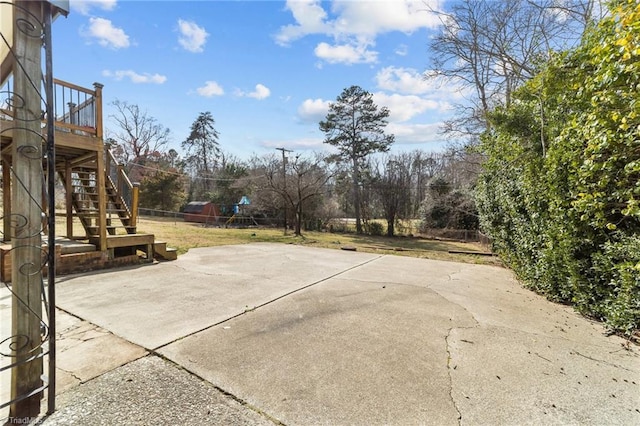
x=27 y=348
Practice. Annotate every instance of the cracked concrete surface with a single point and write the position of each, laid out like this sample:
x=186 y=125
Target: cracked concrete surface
x=344 y=352
x=312 y=336
x=136 y=394
x=84 y=352
x=146 y=301
x=449 y=368
x=76 y=338
x=541 y=380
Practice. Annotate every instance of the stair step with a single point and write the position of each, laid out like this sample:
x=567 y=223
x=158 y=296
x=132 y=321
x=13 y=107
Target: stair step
x=94 y=229
x=86 y=194
x=93 y=214
x=115 y=241
x=162 y=252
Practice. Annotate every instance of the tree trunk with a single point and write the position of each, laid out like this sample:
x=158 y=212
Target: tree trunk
x=390 y=227
x=356 y=195
x=298 y=230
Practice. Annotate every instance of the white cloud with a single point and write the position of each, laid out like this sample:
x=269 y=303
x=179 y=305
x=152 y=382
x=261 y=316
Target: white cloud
x=355 y=24
x=402 y=50
x=405 y=107
x=310 y=19
x=83 y=7
x=403 y=80
x=346 y=53
x=261 y=92
x=192 y=37
x=313 y=110
x=412 y=82
x=210 y=89
x=107 y=35
x=402 y=108
x=416 y=133
x=377 y=17
x=135 y=77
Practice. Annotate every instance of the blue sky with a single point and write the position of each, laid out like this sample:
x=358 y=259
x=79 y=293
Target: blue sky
x=266 y=70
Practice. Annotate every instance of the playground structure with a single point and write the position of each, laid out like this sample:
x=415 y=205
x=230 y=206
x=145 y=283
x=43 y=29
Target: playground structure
x=234 y=215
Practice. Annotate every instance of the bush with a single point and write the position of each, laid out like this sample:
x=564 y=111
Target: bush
x=559 y=196
x=376 y=229
x=617 y=275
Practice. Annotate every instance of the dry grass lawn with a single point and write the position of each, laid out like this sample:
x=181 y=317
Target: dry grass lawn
x=184 y=236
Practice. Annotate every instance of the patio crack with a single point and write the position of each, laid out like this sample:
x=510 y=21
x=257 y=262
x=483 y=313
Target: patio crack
x=449 y=368
x=268 y=302
x=71 y=373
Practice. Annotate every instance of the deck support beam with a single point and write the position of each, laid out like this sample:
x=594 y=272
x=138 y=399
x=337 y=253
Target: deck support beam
x=26 y=254
x=68 y=198
x=102 y=199
x=6 y=197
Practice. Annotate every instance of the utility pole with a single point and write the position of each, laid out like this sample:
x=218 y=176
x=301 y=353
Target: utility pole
x=284 y=182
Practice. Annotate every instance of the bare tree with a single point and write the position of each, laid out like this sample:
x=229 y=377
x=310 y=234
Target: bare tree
x=492 y=47
x=136 y=135
x=306 y=180
x=392 y=178
x=423 y=168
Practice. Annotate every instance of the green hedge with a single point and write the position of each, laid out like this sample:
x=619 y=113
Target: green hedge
x=560 y=188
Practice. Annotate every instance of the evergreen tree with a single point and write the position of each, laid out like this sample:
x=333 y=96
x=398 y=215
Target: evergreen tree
x=203 y=151
x=355 y=126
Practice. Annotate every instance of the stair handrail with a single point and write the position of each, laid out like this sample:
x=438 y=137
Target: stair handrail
x=122 y=182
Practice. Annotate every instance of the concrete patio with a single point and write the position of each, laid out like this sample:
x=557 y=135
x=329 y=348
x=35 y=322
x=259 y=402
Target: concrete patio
x=282 y=334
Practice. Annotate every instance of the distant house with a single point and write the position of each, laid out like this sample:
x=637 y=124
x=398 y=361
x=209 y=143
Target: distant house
x=201 y=211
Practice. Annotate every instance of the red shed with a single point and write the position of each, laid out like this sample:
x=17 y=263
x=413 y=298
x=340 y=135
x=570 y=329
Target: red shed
x=201 y=211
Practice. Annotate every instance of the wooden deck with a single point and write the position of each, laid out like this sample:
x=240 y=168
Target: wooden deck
x=98 y=192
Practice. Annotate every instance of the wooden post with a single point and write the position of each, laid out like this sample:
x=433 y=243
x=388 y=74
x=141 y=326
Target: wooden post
x=134 y=204
x=120 y=181
x=6 y=198
x=98 y=97
x=100 y=171
x=26 y=273
x=107 y=159
x=69 y=198
x=102 y=199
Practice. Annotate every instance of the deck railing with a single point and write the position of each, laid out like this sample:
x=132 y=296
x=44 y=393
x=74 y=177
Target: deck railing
x=76 y=109
x=125 y=189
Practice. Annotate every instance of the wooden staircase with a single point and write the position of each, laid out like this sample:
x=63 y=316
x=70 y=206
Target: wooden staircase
x=98 y=193
x=85 y=202
x=103 y=198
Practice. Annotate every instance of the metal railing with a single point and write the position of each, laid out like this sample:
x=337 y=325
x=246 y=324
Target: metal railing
x=27 y=350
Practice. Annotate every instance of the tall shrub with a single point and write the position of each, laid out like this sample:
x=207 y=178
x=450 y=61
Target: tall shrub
x=560 y=189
